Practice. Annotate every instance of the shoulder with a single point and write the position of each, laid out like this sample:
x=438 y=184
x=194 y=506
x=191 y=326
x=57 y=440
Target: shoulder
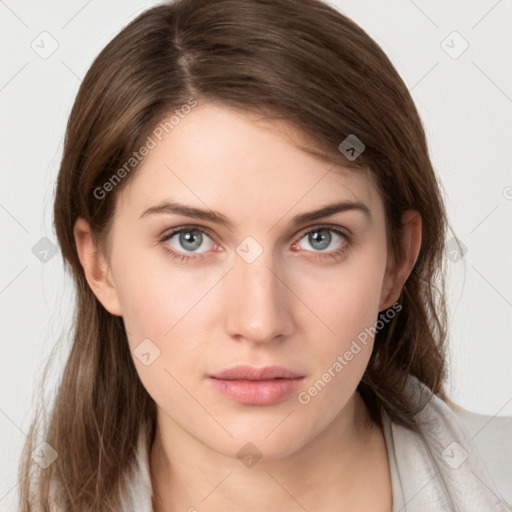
x=440 y=464
x=492 y=436
x=137 y=491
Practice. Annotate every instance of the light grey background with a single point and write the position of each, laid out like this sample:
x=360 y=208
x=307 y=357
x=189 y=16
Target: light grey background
x=465 y=102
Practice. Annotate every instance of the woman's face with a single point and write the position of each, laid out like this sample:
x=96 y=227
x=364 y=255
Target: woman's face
x=262 y=287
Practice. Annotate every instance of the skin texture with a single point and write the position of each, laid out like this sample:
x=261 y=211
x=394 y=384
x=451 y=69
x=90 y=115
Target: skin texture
x=293 y=306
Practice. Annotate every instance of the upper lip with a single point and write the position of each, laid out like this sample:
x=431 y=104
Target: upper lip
x=247 y=372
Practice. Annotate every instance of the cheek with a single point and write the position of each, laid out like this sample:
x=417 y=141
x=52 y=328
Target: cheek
x=165 y=313
x=349 y=297
x=154 y=293
x=348 y=303
x=162 y=327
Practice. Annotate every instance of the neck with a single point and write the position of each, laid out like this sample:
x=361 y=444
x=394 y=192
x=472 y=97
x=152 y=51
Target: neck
x=345 y=468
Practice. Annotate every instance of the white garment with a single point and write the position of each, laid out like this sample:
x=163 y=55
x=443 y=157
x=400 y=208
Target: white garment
x=438 y=470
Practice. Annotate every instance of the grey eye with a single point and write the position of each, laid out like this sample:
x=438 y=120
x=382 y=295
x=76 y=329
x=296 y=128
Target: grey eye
x=189 y=240
x=321 y=238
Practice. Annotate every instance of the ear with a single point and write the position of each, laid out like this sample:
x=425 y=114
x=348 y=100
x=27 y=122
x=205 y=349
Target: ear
x=96 y=268
x=397 y=272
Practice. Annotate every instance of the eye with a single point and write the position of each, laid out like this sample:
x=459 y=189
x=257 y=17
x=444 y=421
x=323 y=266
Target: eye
x=324 y=239
x=181 y=242
x=184 y=243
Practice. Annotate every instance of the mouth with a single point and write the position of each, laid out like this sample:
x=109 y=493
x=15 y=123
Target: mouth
x=256 y=386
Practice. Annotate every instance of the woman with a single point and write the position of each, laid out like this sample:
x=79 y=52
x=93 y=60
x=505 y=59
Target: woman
x=248 y=208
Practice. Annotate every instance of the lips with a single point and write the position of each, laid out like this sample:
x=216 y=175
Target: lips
x=246 y=372
x=256 y=386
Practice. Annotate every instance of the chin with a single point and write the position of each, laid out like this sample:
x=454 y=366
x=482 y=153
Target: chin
x=255 y=444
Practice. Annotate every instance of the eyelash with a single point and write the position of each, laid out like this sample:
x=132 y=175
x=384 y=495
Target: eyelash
x=335 y=255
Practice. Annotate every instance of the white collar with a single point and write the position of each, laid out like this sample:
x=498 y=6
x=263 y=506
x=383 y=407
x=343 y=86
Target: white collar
x=438 y=468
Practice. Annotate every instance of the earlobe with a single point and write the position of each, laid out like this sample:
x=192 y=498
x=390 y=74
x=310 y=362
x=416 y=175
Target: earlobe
x=96 y=268
x=397 y=272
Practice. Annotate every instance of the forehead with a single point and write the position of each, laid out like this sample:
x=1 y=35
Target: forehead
x=240 y=163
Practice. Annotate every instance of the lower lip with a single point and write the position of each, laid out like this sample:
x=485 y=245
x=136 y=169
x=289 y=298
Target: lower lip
x=256 y=392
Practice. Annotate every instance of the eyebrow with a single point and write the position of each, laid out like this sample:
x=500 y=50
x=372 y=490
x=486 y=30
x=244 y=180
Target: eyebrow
x=219 y=218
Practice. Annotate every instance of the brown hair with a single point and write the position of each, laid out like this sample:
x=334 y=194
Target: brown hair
x=301 y=61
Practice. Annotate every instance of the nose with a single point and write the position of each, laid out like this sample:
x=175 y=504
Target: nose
x=258 y=304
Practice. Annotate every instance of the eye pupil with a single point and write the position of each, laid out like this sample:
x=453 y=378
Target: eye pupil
x=320 y=238
x=191 y=240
